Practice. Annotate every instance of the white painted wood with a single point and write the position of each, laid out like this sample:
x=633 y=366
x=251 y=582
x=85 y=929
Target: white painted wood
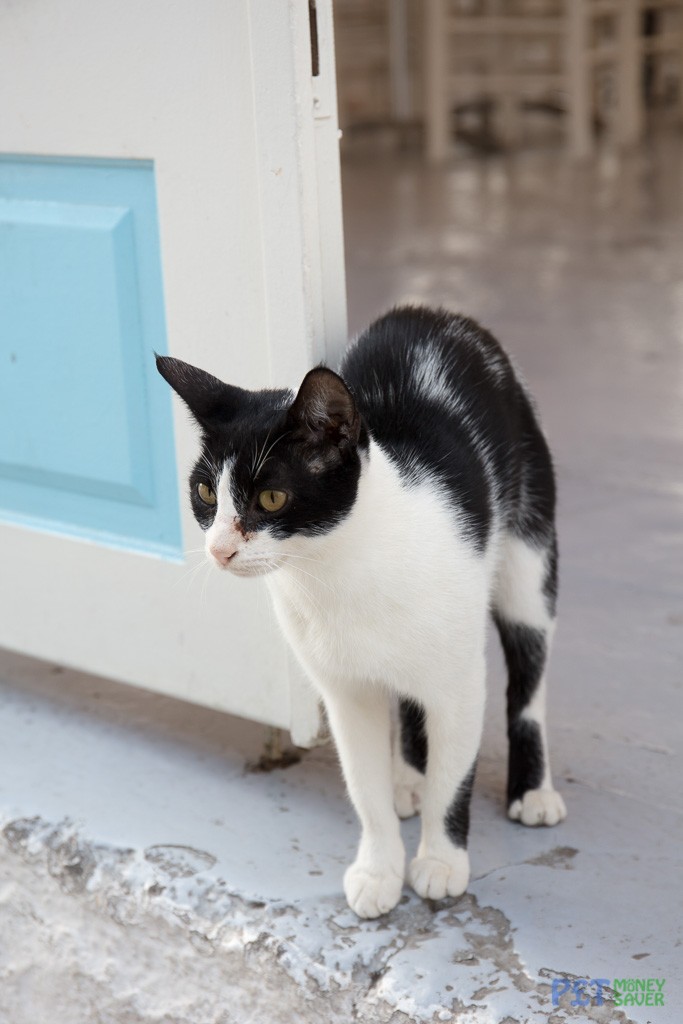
x=219 y=96
x=327 y=223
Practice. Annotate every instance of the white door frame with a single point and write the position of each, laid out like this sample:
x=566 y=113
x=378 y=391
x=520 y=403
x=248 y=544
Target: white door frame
x=153 y=81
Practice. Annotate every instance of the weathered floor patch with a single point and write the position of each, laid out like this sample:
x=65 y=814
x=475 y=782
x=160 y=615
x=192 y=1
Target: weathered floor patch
x=558 y=857
x=154 y=936
x=179 y=861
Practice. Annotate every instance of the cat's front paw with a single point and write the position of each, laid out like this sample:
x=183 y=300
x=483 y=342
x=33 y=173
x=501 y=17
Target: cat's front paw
x=538 y=807
x=437 y=877
x=370 y=893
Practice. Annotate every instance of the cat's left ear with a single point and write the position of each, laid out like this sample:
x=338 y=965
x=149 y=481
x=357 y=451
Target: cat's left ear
x=210 y=401
x=324 y=412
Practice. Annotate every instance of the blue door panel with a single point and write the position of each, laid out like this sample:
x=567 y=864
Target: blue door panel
x=86 y=438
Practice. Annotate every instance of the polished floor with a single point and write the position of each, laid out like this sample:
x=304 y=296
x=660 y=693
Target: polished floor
x=579 y=272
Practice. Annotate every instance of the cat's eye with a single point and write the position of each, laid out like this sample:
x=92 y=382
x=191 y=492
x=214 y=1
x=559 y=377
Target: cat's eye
x=206 y=494
x=272 y=501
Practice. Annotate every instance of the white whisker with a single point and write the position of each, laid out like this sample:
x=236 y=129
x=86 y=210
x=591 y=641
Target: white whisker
x=191 y=572
x=305 y=558
x=210 y=466
x=259 y=458
x=264 y=458
x=312 y=576
x=206 y=579
x=281 y=554
x=306 y=592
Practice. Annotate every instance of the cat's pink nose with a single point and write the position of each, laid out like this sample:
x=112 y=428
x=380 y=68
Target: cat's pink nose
x=221 y=553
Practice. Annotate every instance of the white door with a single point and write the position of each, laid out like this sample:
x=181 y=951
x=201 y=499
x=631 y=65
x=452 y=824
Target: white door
x=168 y=180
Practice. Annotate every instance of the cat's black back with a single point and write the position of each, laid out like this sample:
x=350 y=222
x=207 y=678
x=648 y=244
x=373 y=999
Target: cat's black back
x=440 y=395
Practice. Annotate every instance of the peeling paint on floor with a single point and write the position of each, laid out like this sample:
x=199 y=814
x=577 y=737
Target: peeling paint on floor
x=314 y=959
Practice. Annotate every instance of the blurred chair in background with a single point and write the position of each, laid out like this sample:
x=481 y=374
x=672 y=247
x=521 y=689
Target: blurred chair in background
x=481 y=69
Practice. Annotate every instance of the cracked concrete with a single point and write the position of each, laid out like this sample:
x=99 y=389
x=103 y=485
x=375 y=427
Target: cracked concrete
x=147 y=877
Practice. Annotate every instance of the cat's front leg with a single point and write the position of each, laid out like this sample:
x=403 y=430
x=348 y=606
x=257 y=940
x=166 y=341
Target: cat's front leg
x=360 y=723
x=454 y=715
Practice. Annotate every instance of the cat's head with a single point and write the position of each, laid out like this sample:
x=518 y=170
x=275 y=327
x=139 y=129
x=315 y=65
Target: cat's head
x=275 y=467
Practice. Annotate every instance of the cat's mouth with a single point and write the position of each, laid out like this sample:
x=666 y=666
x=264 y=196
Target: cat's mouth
x=250 y=566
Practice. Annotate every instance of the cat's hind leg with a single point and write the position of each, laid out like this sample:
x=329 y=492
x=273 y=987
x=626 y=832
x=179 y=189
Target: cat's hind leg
x=524 y=612
x=409 y=758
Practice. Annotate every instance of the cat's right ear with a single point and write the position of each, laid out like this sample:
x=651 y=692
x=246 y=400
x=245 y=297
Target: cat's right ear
x=209 y=400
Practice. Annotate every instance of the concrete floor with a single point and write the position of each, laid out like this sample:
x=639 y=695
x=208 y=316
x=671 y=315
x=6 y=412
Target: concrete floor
x=145 y=876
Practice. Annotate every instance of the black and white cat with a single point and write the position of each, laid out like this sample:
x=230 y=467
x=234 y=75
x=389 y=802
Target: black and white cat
x=392 y=506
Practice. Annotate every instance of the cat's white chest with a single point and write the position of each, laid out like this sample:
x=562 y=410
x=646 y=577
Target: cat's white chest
x=387 y=596
x=345 y=634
